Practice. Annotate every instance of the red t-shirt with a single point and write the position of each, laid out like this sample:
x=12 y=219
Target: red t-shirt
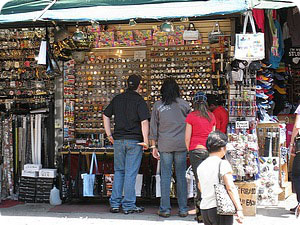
x=201 y=128
x=221 y=116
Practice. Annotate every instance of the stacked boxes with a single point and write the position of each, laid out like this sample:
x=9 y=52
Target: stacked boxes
x=43 y=188
x=27 y=189
x=36 y=183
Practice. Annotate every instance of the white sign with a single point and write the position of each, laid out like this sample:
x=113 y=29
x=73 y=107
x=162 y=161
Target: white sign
x=242 y=124
x=140 y=55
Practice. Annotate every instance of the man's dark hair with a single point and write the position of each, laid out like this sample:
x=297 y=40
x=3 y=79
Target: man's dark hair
x=133 y=82
x=169 y=91
x=215 y=141
x=212 y=100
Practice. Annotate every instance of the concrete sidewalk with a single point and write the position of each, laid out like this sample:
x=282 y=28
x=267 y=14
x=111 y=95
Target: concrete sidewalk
x=38 y=214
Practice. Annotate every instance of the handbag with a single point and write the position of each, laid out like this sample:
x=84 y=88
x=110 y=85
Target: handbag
x=89 y=179
x=249 y=46
x=190 y=179
x=214 y=35
x=225 y=205
x=191 y=34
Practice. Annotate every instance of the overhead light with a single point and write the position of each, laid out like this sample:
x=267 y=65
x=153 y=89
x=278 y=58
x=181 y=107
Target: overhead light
x=167 y=27
x=132 y=22
x=184 y=19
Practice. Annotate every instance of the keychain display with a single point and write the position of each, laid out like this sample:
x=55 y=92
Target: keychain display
x=242 y=152
x=268 y=184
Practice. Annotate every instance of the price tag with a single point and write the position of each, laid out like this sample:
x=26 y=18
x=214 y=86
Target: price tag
x=242 y=124
x=140 y=55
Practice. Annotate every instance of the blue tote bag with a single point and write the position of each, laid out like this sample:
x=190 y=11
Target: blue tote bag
x=89 y=179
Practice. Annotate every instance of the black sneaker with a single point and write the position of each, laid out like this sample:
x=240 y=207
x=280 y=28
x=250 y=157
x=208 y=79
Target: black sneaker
x=183 y=214
x=114 y=209
x=293 y=210
x=134 y=210
x=163 y=214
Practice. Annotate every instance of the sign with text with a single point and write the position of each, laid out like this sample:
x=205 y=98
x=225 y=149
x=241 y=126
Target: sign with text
x=242 y=124
x=140 y=55
x=294 y=57
x=248 y=197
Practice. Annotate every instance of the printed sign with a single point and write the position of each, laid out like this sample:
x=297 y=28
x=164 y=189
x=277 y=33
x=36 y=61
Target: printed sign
x=248 y=197
x=140 y=55
x=242 y=124
x=294 y=57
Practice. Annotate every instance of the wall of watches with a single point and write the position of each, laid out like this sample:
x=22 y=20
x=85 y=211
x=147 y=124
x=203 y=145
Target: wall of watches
x=95 y=77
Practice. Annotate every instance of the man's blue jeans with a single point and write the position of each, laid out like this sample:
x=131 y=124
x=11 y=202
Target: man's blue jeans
x=166 y=160
x=127 y=160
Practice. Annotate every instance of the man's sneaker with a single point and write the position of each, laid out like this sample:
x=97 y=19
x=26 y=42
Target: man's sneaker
x=183 y=214
x=163 y=214
x=114 y=209
x=134 y=210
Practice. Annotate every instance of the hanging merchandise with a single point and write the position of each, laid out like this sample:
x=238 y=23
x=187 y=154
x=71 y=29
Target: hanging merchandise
x=242 y=151
x=89 y=179
x=215 y=35
x=191 y=34
x=249 y=46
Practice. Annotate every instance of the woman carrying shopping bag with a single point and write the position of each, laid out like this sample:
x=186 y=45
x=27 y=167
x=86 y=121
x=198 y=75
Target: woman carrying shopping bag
x=167 y=128
x=217 y=208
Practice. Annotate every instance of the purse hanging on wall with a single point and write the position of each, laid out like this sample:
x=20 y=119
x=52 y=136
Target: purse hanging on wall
x=191 y=34
x=215 y=34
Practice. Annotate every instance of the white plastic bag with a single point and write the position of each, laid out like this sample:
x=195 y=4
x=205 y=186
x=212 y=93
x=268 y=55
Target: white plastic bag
x=54 y=197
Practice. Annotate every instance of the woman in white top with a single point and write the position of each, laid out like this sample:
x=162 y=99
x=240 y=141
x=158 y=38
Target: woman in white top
x=208 y=176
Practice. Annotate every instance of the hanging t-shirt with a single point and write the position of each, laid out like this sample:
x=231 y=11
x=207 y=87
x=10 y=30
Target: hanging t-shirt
x=293 y=19
x=259 y=16
x=201 y=128
x=277 y=48
x=208 y=172
x=222 y=119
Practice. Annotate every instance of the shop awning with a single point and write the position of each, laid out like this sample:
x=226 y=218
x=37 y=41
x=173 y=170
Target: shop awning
x=271 y=4
x=110 y=10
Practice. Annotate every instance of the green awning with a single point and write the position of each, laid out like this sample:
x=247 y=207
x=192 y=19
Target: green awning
x=24 y=6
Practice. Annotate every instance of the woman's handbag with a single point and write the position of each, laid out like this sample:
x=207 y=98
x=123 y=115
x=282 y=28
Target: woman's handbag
x=225 y=205
x=215 y=34
x=89 y=179
x=191 y=34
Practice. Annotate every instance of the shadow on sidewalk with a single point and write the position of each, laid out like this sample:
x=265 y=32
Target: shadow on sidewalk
x=273 y=211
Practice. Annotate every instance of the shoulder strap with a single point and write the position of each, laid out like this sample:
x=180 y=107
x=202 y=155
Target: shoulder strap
x=219 y=172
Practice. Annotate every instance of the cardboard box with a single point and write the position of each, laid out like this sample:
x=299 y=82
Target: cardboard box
x=49 y=173
x=248 y=197
x=287 y=191
x=29 y=173
x=32 y=167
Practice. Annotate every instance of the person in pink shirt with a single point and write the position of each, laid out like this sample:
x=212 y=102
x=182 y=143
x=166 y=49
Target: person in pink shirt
x=199 y=124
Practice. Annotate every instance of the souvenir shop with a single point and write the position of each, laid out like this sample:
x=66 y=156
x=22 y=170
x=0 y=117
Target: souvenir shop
x=61 y=95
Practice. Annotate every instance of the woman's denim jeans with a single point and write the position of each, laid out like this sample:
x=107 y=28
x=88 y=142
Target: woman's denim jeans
x=166 y=160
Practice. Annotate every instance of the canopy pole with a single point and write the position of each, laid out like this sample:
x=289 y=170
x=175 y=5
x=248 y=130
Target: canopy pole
x=45 y=10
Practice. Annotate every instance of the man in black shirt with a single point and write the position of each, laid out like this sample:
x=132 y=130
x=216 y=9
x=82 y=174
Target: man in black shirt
x=130 y=135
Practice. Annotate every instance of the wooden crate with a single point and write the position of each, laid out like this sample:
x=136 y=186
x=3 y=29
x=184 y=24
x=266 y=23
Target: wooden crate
x=248 y=197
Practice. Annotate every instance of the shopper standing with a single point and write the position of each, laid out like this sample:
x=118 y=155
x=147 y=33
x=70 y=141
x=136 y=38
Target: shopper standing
x=167 y=130
x=220 y=113
x=199 y=124
x=295 y=150
x=208 y=174
x=130 y=136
